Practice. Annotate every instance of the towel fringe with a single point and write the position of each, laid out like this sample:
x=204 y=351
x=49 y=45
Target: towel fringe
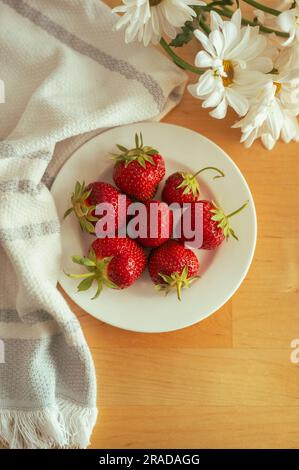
x=64 y=425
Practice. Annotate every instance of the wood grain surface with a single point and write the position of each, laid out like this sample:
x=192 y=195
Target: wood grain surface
x=228 y=381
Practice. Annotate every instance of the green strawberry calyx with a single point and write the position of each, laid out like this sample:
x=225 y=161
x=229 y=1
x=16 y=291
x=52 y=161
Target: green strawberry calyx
x=190 y=183
x=83 y=211
x=176 y=281
x=142 y=154
x=223 y=219
x=96 y=272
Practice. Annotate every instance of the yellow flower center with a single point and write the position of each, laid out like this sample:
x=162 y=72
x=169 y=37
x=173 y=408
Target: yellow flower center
x=154 y=3
x=278 y=88
x=229 y=70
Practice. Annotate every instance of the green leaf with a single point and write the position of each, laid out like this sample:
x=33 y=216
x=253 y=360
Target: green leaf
x=86 y=194
x=78 y=259
x=110 y=284
x=217 y=217
x=149 y=159
x=121 y=148
x=78 y=188
x=88 y=262
x=184 y=36
x=68 y=212
x=89 y=227
x=99 y=289
x=85 y=284
x=92 y=255
x=141 y=162
x=232 y=233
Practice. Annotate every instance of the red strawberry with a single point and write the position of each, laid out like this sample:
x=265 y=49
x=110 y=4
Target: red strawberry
x=114 y=262
x=138 y=171
x=172 y=266
x=183 y=187
x=158 y=225
x=215 y=224
x=85 y=199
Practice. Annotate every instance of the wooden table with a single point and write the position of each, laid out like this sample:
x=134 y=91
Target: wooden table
x=228 y=381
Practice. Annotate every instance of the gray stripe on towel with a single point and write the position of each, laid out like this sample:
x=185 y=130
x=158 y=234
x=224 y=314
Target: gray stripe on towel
x=7 y=150
x=21 y=186
x=29 y=231
x=12 y=316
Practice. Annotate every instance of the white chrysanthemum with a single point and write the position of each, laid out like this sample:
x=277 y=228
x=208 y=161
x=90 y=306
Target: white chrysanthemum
x=288 y=21
x=273 y=113
x=147 y=20
x=237 y=59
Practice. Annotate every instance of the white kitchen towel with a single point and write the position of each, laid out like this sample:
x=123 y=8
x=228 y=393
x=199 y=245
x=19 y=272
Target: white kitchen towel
x=66 y=74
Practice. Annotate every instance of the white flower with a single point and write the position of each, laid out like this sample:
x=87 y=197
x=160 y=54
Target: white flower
x=237 y=60
x=288 y=21
x=147 y=20
x=273 y=113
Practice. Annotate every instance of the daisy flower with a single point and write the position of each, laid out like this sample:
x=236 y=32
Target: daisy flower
x=273 y=112
x=288 y=21
x=237 y=60
x=147 y=20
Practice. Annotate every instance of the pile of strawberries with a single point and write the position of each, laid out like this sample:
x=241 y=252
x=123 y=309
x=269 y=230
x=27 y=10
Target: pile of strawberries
x=117 y=262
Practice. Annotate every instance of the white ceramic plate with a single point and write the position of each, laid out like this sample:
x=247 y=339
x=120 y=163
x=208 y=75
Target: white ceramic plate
x=140 y=307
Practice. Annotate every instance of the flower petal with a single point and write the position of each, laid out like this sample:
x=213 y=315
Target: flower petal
x=204 y=40
x=230 y=35
x=236 y=51
x=216 y=39
x=268 y=141
x=285 y=21
x=203 y=59
x=237 y=18
x=220 y=111
x=238 y=102
x=205 y=83
x=275 y=121
x=262 y=64
x=214 y=99
x=216 y=20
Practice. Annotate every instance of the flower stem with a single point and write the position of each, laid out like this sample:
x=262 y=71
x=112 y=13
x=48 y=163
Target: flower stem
x=261 y=6
x=202 y=23
x=178 y=60
x=246 y=22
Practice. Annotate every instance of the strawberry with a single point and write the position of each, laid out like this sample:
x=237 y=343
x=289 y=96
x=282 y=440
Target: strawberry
x=138 y=171
x=158 y=224
x=85 y=199
x=114 y=262
x=172 y=266
x=183 y=187
x=215 y=224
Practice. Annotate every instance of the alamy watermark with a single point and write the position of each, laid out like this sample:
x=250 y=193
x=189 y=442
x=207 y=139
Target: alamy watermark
x=145 y=221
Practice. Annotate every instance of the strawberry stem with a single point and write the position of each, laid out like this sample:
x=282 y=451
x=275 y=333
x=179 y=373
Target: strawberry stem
x=223 y=219
x=237 y=210
x=97 y=271
x=178 y=290
x=141 y=153
x=81 y=208
x=220 y=175
x=176 y=281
